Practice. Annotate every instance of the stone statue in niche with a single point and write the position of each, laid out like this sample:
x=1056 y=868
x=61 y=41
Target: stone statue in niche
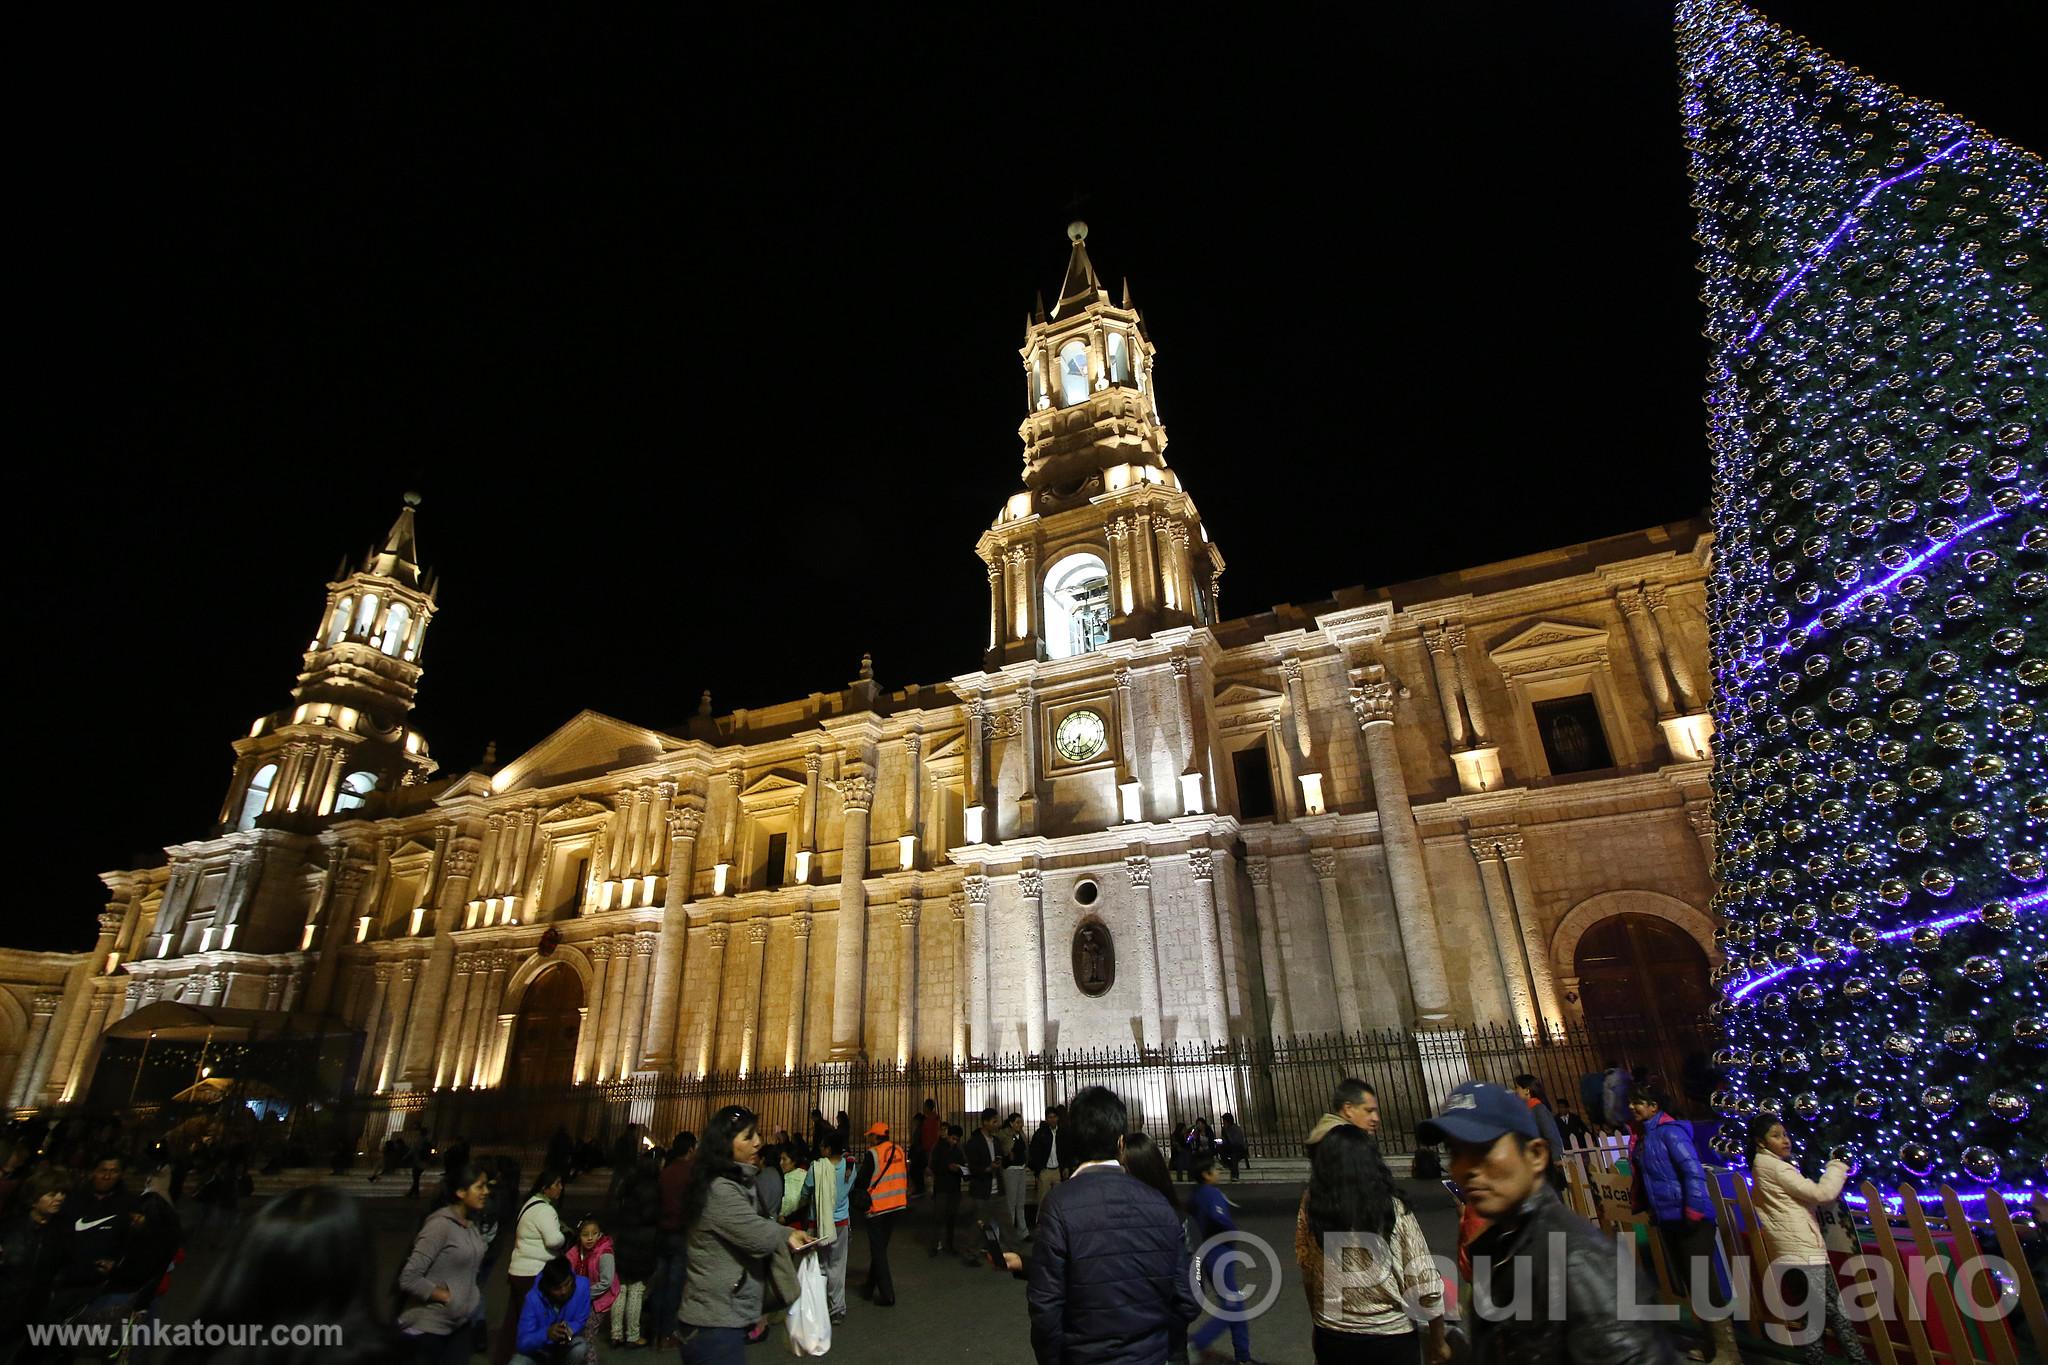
x=1094 y=958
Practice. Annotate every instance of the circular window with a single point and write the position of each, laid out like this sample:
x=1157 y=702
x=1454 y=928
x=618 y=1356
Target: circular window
x=1087 y=891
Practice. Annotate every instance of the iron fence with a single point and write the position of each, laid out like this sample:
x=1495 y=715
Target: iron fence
x=1275 y=1088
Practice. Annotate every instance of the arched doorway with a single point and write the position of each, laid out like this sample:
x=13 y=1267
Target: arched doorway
x=543 y=1055
x=1641 y=973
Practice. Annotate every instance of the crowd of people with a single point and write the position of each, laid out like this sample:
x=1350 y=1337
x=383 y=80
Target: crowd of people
x=695 y=1246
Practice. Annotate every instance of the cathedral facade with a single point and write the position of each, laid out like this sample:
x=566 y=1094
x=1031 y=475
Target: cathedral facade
x=1133 y=822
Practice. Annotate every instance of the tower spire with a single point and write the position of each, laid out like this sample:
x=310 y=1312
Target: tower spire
x=399 y=560
x=1081 y=287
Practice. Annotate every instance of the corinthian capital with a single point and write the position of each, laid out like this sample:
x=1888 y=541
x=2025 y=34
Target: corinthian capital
x=1201 y=863
x=1653 y=596
x=800 y=924
x=906 y=914
x=956 y=904
x=976 y=887
x=1257 y=869
x=757 y=932
x=717 y=935
x=1031 y=882
x=1372 y=699
x=1629 y=600
x=856 y=793
x=110 y=921
x=684 y=822
x=1323 y=862
x=1138 y=868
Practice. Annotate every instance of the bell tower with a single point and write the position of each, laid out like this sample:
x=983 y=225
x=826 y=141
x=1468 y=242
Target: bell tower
x=345 y=738
x=1102 y=542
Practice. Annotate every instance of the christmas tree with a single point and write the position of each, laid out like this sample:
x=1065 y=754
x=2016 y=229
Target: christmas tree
x=1877 y=411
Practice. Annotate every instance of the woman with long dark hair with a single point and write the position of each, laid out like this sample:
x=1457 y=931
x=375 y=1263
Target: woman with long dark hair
x=1354 y=1214
x=1785 y=1204
x=439 y=1279
x=1143 y=1159
x=537 y=1238
x=729 y=1242
x=299 y=1273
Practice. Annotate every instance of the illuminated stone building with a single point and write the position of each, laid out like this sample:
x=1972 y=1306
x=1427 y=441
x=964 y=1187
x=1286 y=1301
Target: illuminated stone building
x=1133 y=821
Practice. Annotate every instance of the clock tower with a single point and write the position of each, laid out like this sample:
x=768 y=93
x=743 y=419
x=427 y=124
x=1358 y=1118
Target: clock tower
x=1102 y=543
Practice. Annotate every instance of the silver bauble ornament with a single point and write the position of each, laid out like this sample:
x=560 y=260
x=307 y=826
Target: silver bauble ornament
x=1901 y=1044
x=2009 y=1105
x=1981 y=1163
x=1938 y=1100
x=2031 y=1030
x=1916 y=1158
x=1959 y=1038
x=1806 y=1104
x=1984 y=970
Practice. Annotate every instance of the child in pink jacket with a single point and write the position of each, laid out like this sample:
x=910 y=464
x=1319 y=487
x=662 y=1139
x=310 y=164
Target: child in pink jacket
x=591 y=1257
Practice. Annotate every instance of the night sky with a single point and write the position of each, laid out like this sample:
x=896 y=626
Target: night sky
x=700 y=343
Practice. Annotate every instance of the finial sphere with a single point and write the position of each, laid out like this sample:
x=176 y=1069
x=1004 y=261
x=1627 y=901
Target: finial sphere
x=412 y=499
x=1077 y=231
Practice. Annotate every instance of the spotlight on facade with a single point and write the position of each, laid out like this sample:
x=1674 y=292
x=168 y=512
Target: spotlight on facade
x=1131 y=796
x=803 y=867
x=906 y=851
x=719 y=877
x=363 y=929
x=1191 y=793
x=1312 y=793
x=973 y=822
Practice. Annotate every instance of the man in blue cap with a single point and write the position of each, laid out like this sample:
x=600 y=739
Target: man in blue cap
x=1498 y=1163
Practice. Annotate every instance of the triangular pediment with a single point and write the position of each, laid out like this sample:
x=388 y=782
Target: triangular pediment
x=575 y=808
x=588 y=746
x=1546 y=639
x=952 y=746
x=771 y=784
x=411 y=848
x=1243 y=693
x=468 y=787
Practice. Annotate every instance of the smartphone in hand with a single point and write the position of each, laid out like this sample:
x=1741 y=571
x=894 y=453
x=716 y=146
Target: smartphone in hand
x=992 y=1245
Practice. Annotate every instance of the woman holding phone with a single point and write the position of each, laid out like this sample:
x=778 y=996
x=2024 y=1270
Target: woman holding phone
x=729 y=1242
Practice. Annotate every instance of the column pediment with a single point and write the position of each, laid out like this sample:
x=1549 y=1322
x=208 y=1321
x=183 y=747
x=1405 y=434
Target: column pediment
x=1550 y=644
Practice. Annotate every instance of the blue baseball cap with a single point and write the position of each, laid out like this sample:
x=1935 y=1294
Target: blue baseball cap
x=1478 y=1112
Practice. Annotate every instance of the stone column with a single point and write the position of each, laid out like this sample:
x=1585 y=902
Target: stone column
x=849 y=976
x=1689 y=695
x=977 y=765
x=400 y=1006
x=1014 y=588
x=1323 y=862
x=913 y=795
x=1119 y=532
x=486 y=1073
x=683 y=824
x=1446 y=674
x=979 y=1026
x=807 y=814
x=44 y=1006
x=423 y=1044
x=1461 y=661
x=368 y=1074
x=1185 y=684
x=800 y=991
x=1034 y=613
x=995 y=605
x=501 y=1048
x=1031 y=894
x=1148 y=573
x=1507 y=933
x=1127 y=742
x=906 y=977
x=612 y=1012
x=956 y=905
x=1541 y=979
x=714 y=941
x=78 y=997
x=448 y=1057
x=729 y=831
x=1408 y=873
x=1169 y=578
x=750 y=1023
x=95 y=1023
x=1297 y=702
x=472 y=1012
x=487 y=859
x=1700 y=815
x=1652 y=658
x=1271 y=965
x=590 y=1056
x=1138 y=867
x=634 y=1021
x=337 y=930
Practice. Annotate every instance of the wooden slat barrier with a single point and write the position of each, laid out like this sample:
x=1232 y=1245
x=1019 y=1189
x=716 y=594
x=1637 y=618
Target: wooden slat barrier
x=1932 y=1234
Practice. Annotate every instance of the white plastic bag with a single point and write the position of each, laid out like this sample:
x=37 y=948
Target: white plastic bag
x=810 y=1317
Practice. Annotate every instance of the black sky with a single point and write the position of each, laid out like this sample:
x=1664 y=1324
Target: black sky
x=701 y=340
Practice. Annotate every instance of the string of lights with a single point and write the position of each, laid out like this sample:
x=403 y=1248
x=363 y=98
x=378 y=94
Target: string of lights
x=1876 y=405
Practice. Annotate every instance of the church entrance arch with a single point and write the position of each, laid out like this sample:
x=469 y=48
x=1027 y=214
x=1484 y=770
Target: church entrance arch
x=543 y=1052
x=1641 y=972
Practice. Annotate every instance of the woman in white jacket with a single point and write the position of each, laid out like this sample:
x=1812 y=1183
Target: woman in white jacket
x=537 y=1238
x=1785 y=1201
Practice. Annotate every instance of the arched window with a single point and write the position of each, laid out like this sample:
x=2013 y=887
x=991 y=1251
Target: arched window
x=355 y=789
x=1073 y=373
x=1119 y=360
x=257 y=796
x=366 y=616
x=395 y=622
x=1076 y=607
x=338 y=627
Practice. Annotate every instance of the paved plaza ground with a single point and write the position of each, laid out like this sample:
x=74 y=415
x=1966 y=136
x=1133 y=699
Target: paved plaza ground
x=945 y=1311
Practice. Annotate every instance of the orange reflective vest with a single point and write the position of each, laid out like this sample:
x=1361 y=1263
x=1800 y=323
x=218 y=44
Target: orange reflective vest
x=889 y=1189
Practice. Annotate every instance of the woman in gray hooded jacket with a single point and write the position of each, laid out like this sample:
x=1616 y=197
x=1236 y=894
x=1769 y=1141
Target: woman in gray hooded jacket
x=439 y=1278
x=731 y=1246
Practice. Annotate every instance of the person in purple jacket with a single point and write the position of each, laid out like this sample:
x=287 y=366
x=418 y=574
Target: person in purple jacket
x=552 y=1320
x=1671 y=1186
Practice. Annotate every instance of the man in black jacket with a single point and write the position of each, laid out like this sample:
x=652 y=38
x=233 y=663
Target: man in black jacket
x=1109 y=1278
x=1047 y=1160
x=94 y=1235
x=985 y=1174
x=1532 y=1244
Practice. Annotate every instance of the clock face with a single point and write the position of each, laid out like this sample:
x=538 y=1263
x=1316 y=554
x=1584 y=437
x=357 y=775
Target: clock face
x=1081 y=736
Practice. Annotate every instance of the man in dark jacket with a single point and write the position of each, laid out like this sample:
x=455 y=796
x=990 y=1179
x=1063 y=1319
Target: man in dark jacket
x=1534 y=1253
x=1047 y=1160
x=985 y=1174
x=94 y=1234
x=1109 y=1278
